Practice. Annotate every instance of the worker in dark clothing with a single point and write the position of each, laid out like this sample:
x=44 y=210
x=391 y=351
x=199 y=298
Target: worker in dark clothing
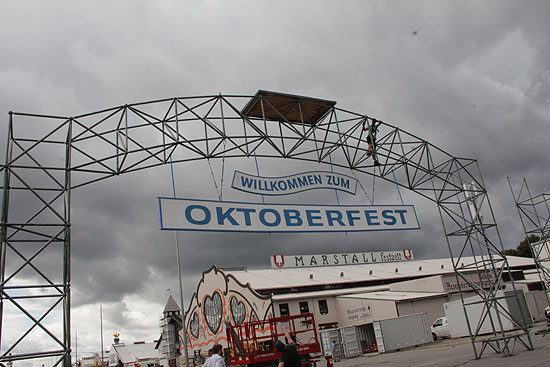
x=371 y=129
x=289 y=353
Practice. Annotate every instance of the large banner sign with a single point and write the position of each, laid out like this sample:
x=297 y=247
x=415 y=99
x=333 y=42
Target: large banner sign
x=308 y=261
x=293 y=184
x=208 y=215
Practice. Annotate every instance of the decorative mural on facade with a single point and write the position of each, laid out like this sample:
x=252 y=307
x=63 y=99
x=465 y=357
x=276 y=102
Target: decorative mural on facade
x=221 y=298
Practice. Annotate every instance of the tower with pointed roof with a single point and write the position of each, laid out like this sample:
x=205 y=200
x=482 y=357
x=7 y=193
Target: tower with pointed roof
x=170 y=324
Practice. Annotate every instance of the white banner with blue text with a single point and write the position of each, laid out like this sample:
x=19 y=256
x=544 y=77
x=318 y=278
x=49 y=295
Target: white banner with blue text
x=293 y=184
x=361 y=258
x=209 y=215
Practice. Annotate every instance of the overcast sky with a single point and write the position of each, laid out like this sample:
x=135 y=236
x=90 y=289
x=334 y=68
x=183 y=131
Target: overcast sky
x=471 y=77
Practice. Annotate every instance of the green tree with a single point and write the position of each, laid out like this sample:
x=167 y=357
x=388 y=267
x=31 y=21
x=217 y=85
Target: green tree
x=523 y=249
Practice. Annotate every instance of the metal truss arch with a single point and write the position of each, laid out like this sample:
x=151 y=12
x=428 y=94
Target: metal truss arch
x=45 y=161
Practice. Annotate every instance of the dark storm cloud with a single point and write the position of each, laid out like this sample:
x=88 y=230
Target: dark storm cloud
x=474 y=81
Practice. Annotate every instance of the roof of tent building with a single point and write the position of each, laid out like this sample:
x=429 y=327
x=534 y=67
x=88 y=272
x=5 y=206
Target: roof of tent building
x=396 y=296
x=272 y=279
x=330 y=292
x=138 y=351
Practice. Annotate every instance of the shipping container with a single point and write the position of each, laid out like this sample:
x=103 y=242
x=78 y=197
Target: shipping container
x=517 y=305
x=367 y=338
x=475 y=308
x=350 y=341
x=537 y=302
x=401 y=332
x=327 y=337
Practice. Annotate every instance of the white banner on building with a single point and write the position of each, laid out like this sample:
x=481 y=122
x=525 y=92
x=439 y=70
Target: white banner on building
x=293 y=184
x=308 y=261
x=209 y=215
x=468 y=281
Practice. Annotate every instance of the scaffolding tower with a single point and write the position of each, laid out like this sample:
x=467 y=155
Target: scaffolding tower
x=534 y=213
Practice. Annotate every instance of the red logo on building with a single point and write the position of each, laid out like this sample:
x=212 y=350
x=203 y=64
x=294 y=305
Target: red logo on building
x=279 y=260
x=408 y=254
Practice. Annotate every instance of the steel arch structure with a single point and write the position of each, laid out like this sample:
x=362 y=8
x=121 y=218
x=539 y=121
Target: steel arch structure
x=49 y=156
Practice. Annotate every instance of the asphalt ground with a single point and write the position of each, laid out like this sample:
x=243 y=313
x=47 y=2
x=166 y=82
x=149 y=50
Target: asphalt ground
x=460 y=352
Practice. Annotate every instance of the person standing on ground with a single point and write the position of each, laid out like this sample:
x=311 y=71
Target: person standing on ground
x=289 y=353
x=216 y=359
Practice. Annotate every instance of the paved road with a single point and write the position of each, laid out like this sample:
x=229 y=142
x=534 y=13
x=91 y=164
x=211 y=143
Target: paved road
x=459 y=352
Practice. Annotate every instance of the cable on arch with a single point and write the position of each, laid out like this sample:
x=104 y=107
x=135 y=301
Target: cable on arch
x=332 y=170
x=219 y=190
x=218 y=193
x=258 y=172
x=371 y=201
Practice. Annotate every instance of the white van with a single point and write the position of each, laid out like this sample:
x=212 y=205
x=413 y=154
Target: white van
x=440 y=329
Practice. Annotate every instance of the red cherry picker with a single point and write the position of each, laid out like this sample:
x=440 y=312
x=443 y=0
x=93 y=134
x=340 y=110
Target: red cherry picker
x=253 y=343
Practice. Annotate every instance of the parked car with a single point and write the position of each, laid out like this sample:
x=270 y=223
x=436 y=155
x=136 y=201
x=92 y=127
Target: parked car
x=440 y=329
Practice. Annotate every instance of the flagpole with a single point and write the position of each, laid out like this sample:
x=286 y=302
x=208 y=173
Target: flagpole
x=183 y=326
x=101 y=323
